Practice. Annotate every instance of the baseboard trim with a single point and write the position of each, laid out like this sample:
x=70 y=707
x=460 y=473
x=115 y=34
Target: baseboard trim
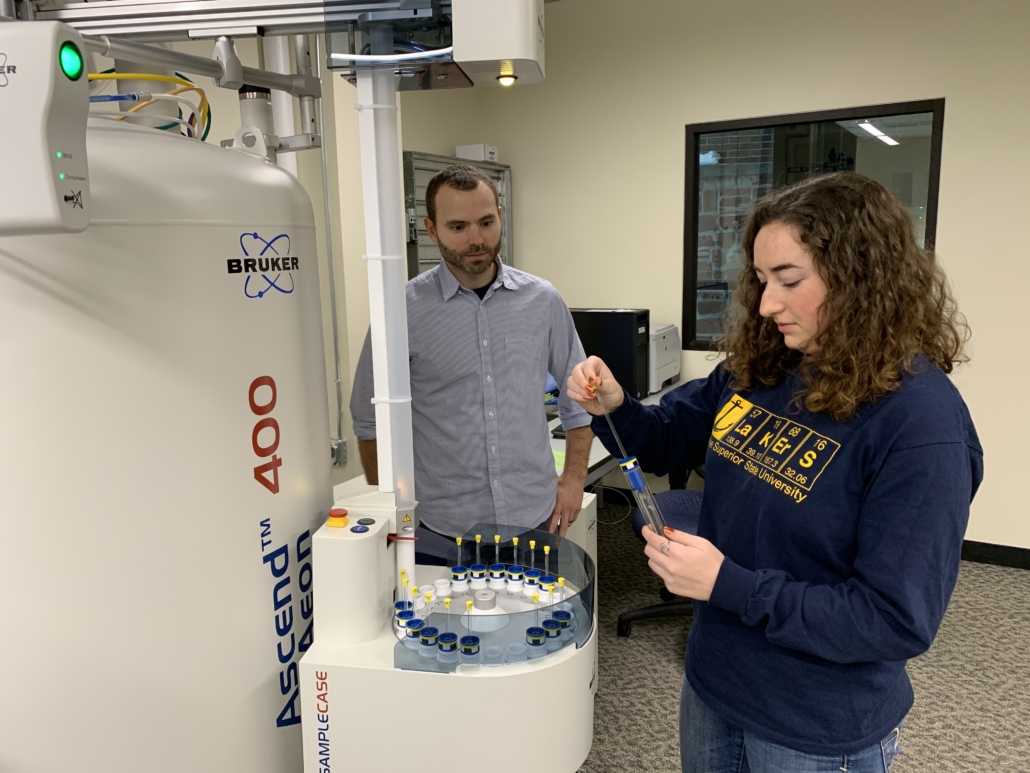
x=997 y=555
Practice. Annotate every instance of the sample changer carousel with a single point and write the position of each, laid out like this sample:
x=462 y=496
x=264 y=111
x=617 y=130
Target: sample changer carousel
x=488 y=662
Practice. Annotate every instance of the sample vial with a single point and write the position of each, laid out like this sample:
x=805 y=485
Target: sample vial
x=468 y=650
x=515 y=578
x=459 y=579
x=531 y=581
x=443 y=588
x=548 y=587
x=553 y=628
x=447 y=647
x=401 y=620
x=536 y=642
x=412 y=631
x=564 y=617
x=477 y=576
x=428 y=637
x=498 y=574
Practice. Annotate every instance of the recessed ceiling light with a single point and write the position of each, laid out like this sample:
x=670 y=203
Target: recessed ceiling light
x=871 y=129
x=885 y=138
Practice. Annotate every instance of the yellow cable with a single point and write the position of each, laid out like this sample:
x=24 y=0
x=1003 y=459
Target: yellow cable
x=142 y=76
x=201 y=110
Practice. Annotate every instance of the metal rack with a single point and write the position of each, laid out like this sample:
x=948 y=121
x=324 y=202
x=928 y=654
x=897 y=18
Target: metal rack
x=419 y=169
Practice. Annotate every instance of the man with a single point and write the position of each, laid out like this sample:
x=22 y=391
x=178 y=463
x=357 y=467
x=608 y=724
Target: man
x=482 y=338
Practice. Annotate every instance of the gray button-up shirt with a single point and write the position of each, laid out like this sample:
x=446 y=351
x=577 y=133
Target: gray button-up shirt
x=478 y=371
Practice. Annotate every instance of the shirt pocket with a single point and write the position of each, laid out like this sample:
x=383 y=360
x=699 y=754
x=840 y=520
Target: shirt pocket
x=522 y=361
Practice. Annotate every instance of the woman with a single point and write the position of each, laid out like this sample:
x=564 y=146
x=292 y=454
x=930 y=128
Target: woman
x=840 y=464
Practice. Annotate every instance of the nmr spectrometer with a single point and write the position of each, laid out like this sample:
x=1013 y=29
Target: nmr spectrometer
x=177 y=597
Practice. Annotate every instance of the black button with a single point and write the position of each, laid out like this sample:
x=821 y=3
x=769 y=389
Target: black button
x=366 y=521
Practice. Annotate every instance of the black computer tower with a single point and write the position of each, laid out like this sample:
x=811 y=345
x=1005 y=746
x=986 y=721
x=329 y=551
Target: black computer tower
x=620 y=337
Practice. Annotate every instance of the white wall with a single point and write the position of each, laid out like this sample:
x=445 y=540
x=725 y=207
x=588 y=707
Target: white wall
x=598 y=155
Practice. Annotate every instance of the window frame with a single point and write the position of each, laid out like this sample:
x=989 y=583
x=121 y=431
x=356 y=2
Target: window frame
x=692 y=177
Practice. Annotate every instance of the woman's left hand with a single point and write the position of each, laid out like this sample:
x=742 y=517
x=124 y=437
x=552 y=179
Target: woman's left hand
x=688 y=565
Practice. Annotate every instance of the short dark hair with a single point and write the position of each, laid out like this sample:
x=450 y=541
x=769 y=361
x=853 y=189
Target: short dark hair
x=461 y=178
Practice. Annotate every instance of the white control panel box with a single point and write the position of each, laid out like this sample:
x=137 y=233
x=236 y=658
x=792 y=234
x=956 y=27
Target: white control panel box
x=479 y=152
x=44 y=101
x=495 y=39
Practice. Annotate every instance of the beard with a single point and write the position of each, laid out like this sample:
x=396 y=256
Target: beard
x=459 y=259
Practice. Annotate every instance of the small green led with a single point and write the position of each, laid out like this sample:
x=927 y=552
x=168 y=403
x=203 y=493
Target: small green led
x=59 y=154
x=71 y=60
x=61 y=176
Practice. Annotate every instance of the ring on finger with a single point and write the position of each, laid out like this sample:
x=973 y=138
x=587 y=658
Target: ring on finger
x=664 y=547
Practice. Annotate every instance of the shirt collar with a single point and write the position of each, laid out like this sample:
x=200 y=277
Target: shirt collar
x=449 y=285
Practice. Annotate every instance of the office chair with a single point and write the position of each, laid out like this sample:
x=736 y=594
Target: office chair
x=681 y=508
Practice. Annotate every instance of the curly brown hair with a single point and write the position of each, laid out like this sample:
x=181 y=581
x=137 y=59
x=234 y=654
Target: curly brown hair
x=887 y=300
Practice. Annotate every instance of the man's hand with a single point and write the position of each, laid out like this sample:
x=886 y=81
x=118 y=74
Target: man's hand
x=567 y=504
x=689 y=565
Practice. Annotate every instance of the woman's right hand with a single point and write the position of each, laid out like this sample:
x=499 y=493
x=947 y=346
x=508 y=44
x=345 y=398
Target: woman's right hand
x=591 y=378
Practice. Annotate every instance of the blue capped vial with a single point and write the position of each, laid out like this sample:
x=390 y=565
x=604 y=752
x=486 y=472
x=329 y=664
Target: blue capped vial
x=447 y=647
x=498 y=575
x=515 y=578
x=477 y=576
x=468 y=649
x=631 y=468
x=402 y=618
x=536 y=642
x=412 y=631
x=564 y=617
x=531 y=581
x=553 y=629
x=428 y=637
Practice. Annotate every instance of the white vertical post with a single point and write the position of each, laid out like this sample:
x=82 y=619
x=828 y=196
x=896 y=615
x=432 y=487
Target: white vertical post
x=387 y=275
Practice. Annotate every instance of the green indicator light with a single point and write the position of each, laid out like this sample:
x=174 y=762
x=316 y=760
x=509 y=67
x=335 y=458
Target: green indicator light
x=71 y=61
x=61 y=176
x=59 y=154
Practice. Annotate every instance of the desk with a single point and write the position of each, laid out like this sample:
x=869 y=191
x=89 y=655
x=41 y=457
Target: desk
x=600 y=462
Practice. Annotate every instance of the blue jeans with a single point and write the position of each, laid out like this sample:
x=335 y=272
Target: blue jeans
x=710 y=744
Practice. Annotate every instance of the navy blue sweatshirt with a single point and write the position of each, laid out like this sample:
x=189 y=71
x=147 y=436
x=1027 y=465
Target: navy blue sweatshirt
x=841 y=543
